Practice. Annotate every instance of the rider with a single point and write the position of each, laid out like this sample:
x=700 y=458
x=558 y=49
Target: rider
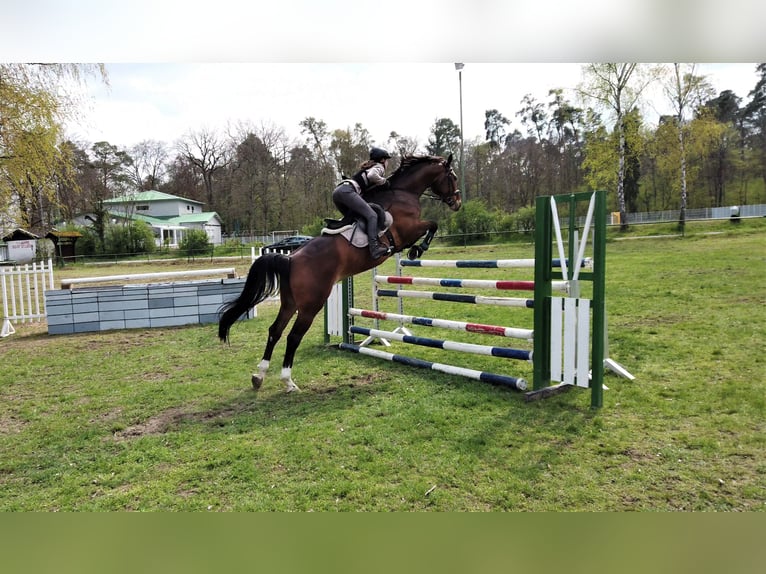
x=348 y=196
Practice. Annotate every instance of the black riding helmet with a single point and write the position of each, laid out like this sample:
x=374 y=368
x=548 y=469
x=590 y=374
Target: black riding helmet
x=379 y=154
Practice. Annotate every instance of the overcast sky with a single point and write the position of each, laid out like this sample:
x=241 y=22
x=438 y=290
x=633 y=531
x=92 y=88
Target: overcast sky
x=164 y=101
x=277 y=62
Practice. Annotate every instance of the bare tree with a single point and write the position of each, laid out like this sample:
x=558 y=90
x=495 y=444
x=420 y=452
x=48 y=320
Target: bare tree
x=149 y=164
x=209 y=153
x=405 y=145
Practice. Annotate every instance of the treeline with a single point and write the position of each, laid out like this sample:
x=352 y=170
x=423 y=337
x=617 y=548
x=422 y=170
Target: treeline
x=710 y=152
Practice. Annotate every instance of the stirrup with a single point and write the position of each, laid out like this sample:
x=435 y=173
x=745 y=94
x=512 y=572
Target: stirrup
x=378 y=250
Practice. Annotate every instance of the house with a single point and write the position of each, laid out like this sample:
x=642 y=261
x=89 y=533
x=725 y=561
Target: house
x=168 y=215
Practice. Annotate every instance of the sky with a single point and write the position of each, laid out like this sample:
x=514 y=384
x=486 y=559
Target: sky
x=165 y=101
x=176 y=66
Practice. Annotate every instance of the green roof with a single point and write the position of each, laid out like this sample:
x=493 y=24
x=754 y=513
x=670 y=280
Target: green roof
x=151 y=195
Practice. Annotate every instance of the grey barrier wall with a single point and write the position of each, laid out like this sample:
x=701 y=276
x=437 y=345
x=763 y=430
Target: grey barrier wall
x=139 y=306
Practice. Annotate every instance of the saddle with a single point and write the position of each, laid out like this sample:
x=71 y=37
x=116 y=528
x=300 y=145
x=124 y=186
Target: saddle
x=355 y=230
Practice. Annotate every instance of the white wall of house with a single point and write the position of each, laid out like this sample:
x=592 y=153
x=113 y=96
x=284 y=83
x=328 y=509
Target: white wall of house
x=214 y=233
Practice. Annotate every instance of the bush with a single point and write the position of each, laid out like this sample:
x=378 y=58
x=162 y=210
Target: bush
x=314 y=228
x=88 y=243
x=194 y=242
x=135 y=237
x=473 y=222
x=525 y=219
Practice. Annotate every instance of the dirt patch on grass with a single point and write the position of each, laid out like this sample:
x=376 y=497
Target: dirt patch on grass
x=11 y=425
x=158 y=424
x=353 y=381
x=171 y=418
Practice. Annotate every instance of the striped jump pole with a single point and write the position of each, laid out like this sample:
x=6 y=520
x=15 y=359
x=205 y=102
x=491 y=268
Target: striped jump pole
x=513 y=382
x=505 y=352
x=482 y=264
x=468 y=283
x=479 y=328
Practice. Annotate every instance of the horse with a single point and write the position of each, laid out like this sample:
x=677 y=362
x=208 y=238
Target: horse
x=305 y=278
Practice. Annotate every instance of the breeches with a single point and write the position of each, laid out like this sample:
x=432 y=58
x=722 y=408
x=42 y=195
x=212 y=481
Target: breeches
x=346 y=199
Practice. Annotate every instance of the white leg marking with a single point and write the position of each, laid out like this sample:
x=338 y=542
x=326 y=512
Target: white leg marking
x=286 y=377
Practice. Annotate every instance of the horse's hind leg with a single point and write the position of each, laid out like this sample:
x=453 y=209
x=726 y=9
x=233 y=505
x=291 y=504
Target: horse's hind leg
x=294 y=338
x=286 y=311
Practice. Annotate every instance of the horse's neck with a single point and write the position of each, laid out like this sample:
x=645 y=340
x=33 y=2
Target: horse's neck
x=416 y=182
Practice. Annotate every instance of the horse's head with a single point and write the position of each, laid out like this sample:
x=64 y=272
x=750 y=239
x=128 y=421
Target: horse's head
x=445 y=185
x=418 y=173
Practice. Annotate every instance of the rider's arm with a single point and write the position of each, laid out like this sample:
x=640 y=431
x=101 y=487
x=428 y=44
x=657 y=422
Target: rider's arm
x=376 y=175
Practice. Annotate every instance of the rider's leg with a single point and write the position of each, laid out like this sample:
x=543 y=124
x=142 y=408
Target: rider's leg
x=346 y=196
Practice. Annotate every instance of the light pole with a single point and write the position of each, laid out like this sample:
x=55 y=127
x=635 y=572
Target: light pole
x=459 y=68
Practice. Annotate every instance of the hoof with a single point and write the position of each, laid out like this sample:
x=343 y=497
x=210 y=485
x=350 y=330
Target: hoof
x=414 y=252
x=257 y=382
x=292 y=387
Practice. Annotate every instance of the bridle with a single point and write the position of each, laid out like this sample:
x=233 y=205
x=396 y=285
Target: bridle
x=454 y=194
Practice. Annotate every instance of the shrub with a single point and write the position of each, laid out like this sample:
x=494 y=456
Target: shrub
x=194 y=242
x=473 y=222
x=135 y=237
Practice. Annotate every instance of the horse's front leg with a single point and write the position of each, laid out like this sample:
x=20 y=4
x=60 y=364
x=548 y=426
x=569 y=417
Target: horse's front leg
x=429 y=228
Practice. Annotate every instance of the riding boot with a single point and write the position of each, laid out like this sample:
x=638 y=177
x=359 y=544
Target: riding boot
x=377 y=250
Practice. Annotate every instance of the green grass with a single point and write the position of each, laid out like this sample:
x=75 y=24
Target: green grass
x=165 y=419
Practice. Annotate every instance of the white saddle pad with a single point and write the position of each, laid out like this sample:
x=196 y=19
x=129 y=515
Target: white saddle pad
x=356 y=237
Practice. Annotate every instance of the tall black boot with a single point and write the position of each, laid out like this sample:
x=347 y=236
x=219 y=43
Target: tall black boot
x=377 y=250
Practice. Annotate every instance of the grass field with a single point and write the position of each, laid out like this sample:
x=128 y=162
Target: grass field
x=165 y=419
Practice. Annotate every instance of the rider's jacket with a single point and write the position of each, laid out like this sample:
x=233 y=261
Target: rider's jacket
x=367 y=178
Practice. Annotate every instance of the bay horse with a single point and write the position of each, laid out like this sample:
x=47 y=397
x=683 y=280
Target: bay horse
x=304 y=279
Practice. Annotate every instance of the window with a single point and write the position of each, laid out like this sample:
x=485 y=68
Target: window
x=142 y=208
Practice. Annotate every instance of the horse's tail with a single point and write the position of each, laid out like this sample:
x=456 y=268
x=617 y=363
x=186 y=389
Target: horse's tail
x=263 y=280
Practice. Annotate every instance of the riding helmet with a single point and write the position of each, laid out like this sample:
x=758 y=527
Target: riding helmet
x=379 y=154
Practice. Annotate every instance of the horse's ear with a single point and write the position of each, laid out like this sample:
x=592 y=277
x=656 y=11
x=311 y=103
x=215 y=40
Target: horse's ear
x=449 y=160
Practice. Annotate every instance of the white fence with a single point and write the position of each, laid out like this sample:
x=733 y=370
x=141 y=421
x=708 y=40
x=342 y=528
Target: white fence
x=699 y=213
x=23 y=289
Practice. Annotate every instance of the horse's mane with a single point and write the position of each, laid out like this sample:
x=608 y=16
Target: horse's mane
x=409 y=161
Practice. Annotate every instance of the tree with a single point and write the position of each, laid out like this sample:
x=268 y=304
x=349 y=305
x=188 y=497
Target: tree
x=208 y=152
x=682 y=88
x=565 y=128
x=403 y=144
x=317 y=138
x=183 y=179
x=716 y=121
x=35 y=100
x=533 y=115
x=350 y=148
x=149 y=164
x=111 y=165
x=618 y=88
x=754 y=116
x=494 y=127
x=444 y=138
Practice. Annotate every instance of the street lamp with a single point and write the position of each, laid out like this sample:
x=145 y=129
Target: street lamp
x=459 y=68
